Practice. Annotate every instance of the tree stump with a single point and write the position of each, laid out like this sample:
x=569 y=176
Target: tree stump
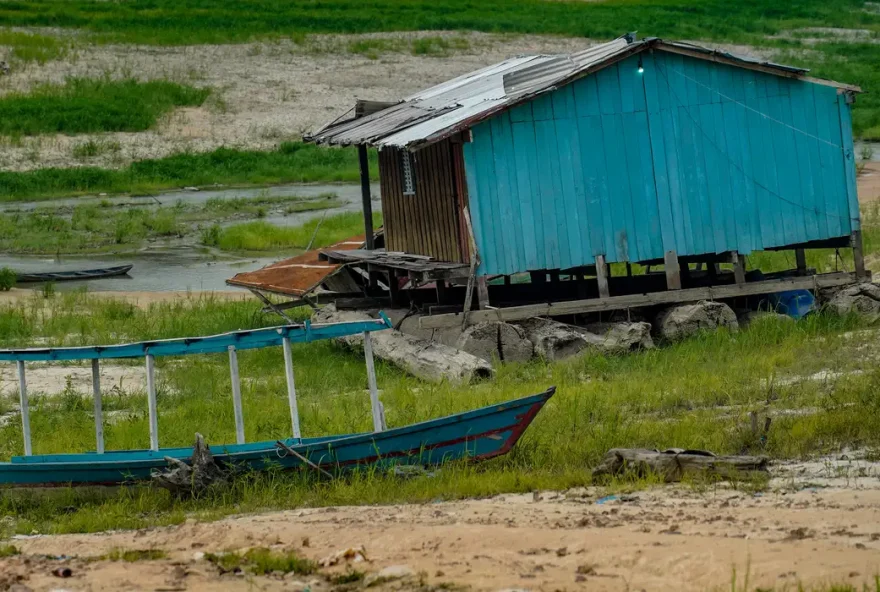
x=192 y=480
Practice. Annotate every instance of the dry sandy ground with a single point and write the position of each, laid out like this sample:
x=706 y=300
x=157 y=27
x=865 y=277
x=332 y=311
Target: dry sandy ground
x=265 y=92
x=869 y=183
x=819 y=524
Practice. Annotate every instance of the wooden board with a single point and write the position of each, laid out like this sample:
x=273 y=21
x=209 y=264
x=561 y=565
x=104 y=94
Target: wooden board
x=515 y=313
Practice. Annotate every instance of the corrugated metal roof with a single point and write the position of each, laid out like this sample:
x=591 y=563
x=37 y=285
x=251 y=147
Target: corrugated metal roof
x=443 y=110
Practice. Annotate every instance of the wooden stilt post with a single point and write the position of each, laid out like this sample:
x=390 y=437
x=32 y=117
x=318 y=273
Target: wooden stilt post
x=483 y=292
x=801 y=258
x=25 y=415
x=375 y=404
x=291 y=387
x=673 y=271
x=602 y=276
x=99 y=411
x=739 y=268
x=151 y=402
x=364 y=163
x=858 y=254
x=236 y=395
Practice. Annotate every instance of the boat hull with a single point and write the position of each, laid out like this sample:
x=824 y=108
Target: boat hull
x=477 y=435
x=67 y=276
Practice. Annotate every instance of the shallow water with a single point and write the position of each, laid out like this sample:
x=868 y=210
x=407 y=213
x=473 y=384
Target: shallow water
x=176 y=265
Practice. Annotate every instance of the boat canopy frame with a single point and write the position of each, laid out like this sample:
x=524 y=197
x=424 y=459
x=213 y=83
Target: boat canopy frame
x=230 y=342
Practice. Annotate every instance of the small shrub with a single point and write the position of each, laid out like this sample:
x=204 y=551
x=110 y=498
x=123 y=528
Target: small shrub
x=8 y=551
x=7 y=279
x=134 y=555
x=211 y=235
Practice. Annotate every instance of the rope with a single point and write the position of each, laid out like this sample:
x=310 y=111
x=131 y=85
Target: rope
x=745 y=175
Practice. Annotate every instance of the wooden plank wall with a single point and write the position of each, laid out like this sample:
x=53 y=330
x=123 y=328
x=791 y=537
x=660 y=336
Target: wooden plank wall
x=427 y=223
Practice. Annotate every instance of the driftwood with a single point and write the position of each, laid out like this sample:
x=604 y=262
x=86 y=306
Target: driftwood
x=429 y=361
x=673 y=464
x=191 y=480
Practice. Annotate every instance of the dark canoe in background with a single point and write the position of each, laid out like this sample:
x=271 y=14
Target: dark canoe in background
x=66 y=276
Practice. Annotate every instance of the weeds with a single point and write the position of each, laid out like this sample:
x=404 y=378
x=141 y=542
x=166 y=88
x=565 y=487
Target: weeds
x=292 y=162
x=262 y=561
x=135 y=555
x=94 y=148
x=99 y=228
x=262 y=236
x=8 y=551
x=83 y=105
x=30 y=47
x=8 y=279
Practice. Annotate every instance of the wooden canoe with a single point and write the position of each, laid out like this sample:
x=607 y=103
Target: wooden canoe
x=479 y=434
x=67 y=276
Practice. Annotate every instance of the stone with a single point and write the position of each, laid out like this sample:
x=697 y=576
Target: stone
x=862 y=299
x=553 y=340
x=495 y=340
x=747 y=317
x=684 y=320
x=621 y=337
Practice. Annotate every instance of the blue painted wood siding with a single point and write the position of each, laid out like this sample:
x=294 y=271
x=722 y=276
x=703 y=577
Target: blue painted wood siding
x=690 y=155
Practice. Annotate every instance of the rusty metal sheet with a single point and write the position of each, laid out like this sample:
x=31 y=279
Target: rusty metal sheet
x=298 y=275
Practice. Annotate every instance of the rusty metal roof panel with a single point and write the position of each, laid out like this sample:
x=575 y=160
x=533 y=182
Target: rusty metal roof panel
x=298 y=275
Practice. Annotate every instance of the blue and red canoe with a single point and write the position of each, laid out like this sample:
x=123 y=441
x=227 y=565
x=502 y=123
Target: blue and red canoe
x=474 y=435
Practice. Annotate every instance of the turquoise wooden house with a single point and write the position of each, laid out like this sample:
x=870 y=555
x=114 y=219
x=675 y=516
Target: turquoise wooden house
x=630 y=151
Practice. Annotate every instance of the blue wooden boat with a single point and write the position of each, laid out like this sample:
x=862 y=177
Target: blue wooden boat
x=67 y=276
x=479 y=434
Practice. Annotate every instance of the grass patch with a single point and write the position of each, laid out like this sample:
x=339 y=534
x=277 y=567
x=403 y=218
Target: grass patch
x=8 y=551
x=693 y=394
x=135 y=555
x=291 y=162
x=102 y=228
x=262 y=561
x=31 y=47
x=7 y=279
x=95 y=148
x=83 y=105
x=262 y=236
x=429 y=46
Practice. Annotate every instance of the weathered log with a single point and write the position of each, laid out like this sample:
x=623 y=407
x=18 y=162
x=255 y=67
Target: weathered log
x=191 y=480
x=496 y=341
x=433 y=362
x=554 y=340
x=673 y=464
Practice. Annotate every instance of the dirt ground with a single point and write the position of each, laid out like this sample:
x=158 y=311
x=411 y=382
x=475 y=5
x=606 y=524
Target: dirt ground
x=264 y=92
x=819 y=523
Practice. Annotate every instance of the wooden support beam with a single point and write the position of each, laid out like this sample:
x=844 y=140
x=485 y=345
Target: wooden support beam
x=673 y=271
x=858 y=254
x=25 y=412
x=516 y=313
x=291 y=387
x=99 y=413
x=801 y=257
x=375 y=403
x=602 y=276
x=152 y=403
x=483 y=292
x=236 y=396
x=364 y=163
x=739 y=268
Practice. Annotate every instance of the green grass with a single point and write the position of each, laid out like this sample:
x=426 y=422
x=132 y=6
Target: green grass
x=262 y=561
x=83 y=105
x=102 y=228
x=262 y=236
x=693 y=394
x=135 y=555
x=31 y=47
x=8 y=551
x=291 y=162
